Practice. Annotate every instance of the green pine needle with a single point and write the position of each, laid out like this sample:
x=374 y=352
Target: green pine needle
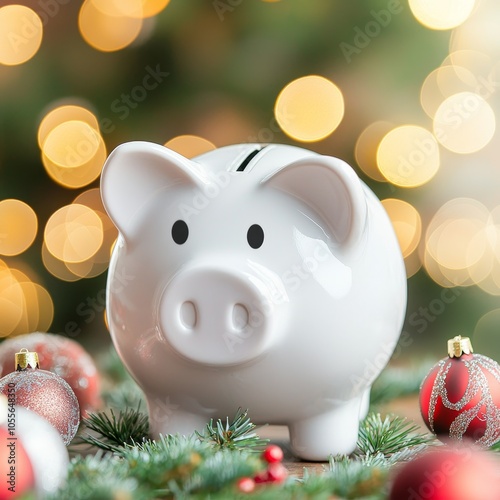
x=115 y=432
x=239 y=434
x=391 y=435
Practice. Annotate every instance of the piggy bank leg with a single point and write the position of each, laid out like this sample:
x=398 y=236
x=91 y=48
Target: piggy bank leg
x=165 y=417
x=331 y=433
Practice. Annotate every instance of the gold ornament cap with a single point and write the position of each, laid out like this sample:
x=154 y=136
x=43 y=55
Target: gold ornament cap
x=25 y=359
x=459 y=345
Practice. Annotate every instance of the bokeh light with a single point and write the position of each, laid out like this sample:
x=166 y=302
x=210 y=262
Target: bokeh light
x=480 y=32
x=366 y=147
x=464 y=123
x=74 y=233
x=11 y=301
x=25 y=306
x=99 y=262
x=73 y=154
x=190 y=146
x=406 y=222
x=131 y=8
x=443 y=82
x=456 y=243
x=62 y=114
x=56 y=267
x=413 y=263
x=71 y=144
x=310 y=108
x=105 y=32
x=441 y=14
x=408 y=156
x=21 y=32
x=18 y=227
x=478 y=64
x=486 y=336
x=119 y=8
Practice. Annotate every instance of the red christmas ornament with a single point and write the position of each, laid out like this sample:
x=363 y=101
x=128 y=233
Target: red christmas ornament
x=44 y=393
x=15 y=467
x=63 y=356
x=272 y=454
x=246 y=484
x=448 y=473
x=33 y=458
x=461 y=395
x=275 y=472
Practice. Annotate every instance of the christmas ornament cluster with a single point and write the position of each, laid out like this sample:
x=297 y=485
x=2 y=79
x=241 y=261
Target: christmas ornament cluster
x=42 y=411
x=275 y=472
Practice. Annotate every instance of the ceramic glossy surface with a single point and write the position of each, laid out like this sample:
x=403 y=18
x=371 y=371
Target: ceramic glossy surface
x=262 y=276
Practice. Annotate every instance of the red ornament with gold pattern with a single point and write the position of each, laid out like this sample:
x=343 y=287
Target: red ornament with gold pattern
x=460 y=397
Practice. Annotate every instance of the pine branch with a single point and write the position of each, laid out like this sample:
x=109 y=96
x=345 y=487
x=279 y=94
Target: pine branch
x=357 y=478
x=391 y=435
x=115 y=432
x=239 y=434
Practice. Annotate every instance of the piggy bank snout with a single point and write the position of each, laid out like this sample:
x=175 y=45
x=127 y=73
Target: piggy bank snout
x=215 y=316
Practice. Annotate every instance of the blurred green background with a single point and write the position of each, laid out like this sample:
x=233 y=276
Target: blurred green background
x=220 y=66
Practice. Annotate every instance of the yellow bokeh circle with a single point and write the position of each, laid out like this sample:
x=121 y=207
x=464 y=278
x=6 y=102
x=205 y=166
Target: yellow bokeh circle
x=71 y=144
x=442 y=14
x=131 y=8
x=74 y=233
x=366 y=147
x=464 y=123
x=310 y=108
x=21 y=32
x=18 y=227
x=457 y=247
x=406 y=222
x=442 y=83
x=73 y=154
x=62 y=114
x=105 y=32
x=408 y=156
x=190 y=146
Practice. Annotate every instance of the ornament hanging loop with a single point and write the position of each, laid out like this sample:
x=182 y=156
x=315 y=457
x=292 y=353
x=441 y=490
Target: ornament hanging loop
x=459 y=345
x=25 y=359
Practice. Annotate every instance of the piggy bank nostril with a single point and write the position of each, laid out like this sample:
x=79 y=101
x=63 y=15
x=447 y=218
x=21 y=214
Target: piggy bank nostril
x=188 y=314
x=240 y=317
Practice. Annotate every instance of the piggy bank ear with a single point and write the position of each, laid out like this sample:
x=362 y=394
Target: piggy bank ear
x=332 y=189
x=135 y=172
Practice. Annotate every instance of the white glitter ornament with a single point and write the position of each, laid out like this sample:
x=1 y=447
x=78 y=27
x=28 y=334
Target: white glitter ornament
x=44 y=393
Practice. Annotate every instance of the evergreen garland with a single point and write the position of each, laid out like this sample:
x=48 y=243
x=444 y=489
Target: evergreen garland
x=124 y=463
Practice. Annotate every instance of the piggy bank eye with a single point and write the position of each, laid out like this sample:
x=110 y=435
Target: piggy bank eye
x=255 y=236
x=180 y=232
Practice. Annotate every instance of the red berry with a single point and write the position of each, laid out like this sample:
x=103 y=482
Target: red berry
x=262 y=477
x=276 y=473
x=246 y=484
x=272 y=454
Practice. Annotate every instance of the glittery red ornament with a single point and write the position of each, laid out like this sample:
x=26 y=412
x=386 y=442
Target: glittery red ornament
x=461 y=395
x=448 y=473
x=44 y=393
x=60 y=355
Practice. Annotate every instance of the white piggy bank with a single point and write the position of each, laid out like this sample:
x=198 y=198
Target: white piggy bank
x=253 y=276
